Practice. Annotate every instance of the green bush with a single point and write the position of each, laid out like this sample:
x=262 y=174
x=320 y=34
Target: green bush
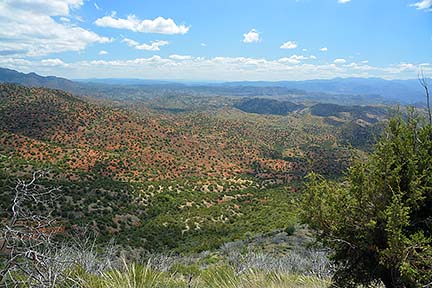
x=290 y=230
x=379 y=220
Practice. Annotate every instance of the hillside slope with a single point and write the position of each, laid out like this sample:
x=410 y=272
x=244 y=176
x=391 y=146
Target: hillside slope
x=160 y=180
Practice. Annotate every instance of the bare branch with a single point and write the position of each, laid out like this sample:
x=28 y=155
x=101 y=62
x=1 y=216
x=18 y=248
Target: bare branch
x=424 y=83
x=26 y=240
x=33 y=257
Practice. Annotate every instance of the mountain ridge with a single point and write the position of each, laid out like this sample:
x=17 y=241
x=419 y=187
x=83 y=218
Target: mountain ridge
x=367 y=89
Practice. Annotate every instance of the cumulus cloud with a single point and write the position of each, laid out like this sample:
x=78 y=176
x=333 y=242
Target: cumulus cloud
x=103 y=52
x=28 y=28
x=53 y=62
x=423 y=5
x=180 y=57
x=407 y=66
x=294 y=59
x=343 y=1
x=324 y=49
x=158 y=25
x=339 y=61
x=130 y=42
x=289 y=45
x=15 y=63
x=153 y=46
x=251 y=37
x=45 y=7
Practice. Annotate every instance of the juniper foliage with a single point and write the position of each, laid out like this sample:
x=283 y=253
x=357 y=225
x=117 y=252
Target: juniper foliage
x=378 y=220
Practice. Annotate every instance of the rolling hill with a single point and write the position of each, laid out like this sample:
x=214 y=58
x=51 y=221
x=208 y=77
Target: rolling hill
x=163 y=179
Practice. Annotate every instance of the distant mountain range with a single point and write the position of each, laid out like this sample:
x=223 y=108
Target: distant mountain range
x=404 y=91
x=34 y=80
x=367 y=90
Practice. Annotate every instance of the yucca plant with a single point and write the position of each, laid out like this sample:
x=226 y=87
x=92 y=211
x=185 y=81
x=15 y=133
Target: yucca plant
x=220 y=277
x=225 y=277
x=131 y=276
x=258 y=279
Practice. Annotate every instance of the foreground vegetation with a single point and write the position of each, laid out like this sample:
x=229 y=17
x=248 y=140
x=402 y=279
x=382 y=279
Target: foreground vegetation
x=34 y=254
x=220 y=277
x=379 y=220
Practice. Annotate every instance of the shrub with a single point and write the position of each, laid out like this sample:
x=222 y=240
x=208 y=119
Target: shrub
x=379 y=220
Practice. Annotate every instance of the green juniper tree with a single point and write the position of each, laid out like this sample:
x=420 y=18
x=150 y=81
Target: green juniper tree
x=379 y=220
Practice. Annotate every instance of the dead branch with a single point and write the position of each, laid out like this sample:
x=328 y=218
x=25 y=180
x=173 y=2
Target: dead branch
x=424 y=83
x=33 y=257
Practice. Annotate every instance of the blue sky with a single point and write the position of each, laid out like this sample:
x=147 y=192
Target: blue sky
x=217 y=40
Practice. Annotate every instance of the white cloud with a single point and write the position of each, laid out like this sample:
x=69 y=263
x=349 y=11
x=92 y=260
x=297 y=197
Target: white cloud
x=324 y=49
x=422 y=5
x=44 y=7
x=158 y=25
x=407 y=66
x=96 y=6
x=251 y=37
x=339 y=61
x=28 y=28
x=289 y=45
x=130 y=42
x=103 y=52
x=343 y=1
x=52 y=62
x=153 y=46
x=294 y=59
x=203 y=44
x=313 y=57
x=15 y=63
x=180 y=57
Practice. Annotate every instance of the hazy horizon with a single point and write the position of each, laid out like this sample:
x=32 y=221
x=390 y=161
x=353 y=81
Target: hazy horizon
x=209 y=81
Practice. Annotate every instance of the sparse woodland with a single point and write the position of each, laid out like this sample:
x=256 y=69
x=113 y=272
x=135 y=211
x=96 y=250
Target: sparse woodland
x=97 y=195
